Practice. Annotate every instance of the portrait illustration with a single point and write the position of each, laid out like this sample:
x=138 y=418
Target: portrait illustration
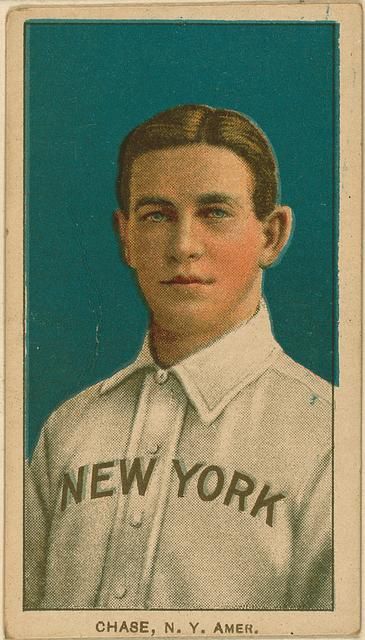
x=199 y=221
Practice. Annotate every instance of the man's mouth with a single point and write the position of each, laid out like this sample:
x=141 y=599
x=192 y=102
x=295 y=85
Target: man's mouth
x=186 y=280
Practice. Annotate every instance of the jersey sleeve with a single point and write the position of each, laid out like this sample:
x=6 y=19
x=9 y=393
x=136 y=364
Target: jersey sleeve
x=311 y=568
x=37 y=517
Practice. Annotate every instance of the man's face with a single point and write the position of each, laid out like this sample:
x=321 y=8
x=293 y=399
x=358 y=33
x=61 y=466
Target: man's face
x=192 y=236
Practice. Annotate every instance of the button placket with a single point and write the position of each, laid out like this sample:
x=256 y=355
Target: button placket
x=173 y=418
x=135 y=542
x=158 y=415
x=111 y=577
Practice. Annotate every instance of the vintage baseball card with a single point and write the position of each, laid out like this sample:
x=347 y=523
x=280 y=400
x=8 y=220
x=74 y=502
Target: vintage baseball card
x=183 y=320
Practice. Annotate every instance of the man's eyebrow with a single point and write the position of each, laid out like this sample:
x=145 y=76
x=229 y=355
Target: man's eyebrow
x=215 y=196
x=146 y=200
x=211 y=197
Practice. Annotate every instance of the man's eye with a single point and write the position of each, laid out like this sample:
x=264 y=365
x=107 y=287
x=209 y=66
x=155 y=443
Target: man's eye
x=155 y=216
x=217 y=214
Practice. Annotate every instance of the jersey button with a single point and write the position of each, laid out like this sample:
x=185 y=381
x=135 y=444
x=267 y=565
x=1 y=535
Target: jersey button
x=120 y=588
x=136 y=520
x=121 y=593
x=153 y=448
x=161 y=376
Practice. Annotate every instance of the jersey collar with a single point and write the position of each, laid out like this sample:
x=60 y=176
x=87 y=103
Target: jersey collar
x=213 y=376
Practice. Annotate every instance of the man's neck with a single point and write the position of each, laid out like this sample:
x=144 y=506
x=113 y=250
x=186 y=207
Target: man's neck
x=169 y=347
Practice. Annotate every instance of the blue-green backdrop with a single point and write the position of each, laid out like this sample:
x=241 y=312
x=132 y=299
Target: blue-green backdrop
x=86 y=85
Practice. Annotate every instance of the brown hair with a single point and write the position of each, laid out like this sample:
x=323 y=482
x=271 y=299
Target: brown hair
x=189 y=124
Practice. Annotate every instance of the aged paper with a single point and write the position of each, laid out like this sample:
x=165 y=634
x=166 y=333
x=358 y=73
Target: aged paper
x=183 y=320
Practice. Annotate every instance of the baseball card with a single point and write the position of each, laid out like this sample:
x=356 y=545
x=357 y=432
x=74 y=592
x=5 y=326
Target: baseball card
x=183 y=320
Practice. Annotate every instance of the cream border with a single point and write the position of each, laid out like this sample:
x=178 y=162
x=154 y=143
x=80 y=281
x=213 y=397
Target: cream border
x=345 y=619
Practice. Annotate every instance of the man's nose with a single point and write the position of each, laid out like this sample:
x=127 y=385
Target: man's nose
x=185 y=240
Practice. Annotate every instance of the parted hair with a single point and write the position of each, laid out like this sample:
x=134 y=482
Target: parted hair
x=196 y=123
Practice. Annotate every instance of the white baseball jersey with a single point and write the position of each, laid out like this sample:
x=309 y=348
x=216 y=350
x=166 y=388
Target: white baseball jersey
x=206 y=485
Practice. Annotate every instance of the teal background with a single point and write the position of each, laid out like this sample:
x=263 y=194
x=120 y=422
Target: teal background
x=87 y=84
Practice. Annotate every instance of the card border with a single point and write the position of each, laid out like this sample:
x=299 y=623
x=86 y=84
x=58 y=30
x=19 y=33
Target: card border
x=20 y=16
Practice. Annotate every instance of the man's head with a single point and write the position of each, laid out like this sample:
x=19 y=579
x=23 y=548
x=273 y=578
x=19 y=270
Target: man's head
x=198 y=218
x=200 y=124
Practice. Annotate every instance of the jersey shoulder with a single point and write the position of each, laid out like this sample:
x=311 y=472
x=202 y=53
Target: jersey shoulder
x=303 y=378
x=77 y=405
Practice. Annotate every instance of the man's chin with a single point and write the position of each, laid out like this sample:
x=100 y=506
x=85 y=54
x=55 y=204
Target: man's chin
x=185 y=318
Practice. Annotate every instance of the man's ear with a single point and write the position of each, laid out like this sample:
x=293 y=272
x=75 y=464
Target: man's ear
x=120 y=224
x=276 y=228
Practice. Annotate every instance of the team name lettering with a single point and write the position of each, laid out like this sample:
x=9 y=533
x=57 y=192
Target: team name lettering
x=211 y=482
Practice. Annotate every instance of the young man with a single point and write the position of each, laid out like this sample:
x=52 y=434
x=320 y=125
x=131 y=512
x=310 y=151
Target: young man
x=199 y=476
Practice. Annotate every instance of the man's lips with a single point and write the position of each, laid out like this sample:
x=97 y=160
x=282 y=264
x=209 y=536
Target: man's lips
x=188 y=280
